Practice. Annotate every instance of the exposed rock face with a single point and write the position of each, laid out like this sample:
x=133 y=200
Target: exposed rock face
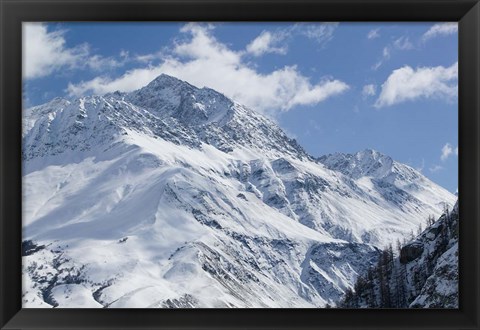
x=441 y=288
x=411 y=252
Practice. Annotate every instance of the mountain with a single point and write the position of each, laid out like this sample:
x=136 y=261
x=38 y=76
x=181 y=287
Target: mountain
x=175 y=196
x=423 y=274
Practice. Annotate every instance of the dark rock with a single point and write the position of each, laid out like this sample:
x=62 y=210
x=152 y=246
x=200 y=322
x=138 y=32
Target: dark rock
x=29 y=248
x=411 y=252
x=123 y=240
x=435 y=230
x=242 y=196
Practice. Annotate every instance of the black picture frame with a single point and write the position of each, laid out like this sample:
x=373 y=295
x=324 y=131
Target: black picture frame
x=14 y=12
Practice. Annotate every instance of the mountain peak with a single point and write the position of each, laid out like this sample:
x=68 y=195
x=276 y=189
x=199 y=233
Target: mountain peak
x=164 y=87
x=372 y=155
x=169 y=97
x=165 y=80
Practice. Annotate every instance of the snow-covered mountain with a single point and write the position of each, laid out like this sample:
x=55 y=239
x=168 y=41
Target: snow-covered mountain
x=175 y=196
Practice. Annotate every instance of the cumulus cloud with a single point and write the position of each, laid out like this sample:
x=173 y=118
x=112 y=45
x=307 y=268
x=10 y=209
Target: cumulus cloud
x=267 y=42
x=369 y=90
x=373 y=34
x=406 y=84
x=440 y=29
x=45 y=52
x=204 y=61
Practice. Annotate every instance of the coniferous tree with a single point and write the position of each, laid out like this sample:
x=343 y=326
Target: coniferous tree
x=398 y=246
x=419 y=229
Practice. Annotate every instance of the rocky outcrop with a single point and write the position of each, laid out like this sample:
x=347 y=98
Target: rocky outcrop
x=411 y=252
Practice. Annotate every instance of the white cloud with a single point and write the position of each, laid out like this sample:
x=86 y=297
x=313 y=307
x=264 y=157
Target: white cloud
x=386 y=52
x=276 y=41
x=147 y=58
x=406 y=84
x=440 y=29
x=447 y=150
x=266 y=42
x=99 y=63
x=124 y=54
x=204 y=61
x=403 y=43
x=45 y=52
x=373 y=34
x=203 y=46
x=435 y=168
x=377 y=65
x=369 y=90
x=422 y=166
x=318 y=32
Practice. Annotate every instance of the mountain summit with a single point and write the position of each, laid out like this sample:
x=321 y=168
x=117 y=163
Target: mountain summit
x=176 y=196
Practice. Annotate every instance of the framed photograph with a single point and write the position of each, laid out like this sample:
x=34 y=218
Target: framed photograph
x=253 y=165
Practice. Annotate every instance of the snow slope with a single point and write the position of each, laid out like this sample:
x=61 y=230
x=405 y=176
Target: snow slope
x=174 y=196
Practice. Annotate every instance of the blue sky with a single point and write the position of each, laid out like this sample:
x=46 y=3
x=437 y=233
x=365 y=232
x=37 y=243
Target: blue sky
x=335 y=87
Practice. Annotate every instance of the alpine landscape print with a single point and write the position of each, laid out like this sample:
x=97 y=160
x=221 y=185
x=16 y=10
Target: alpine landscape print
x=240 y=165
